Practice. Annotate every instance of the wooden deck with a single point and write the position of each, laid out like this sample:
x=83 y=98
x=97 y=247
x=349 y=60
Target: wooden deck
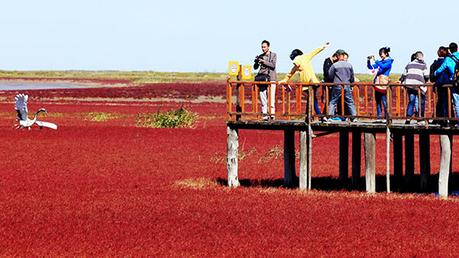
x=338 y=126
x=294 y=110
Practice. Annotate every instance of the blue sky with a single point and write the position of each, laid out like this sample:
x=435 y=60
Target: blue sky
x=203 y=35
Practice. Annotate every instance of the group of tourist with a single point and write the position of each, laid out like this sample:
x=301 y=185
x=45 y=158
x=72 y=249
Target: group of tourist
x=337 y=70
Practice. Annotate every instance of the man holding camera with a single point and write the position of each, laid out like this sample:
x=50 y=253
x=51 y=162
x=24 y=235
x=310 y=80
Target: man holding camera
x=266 y=62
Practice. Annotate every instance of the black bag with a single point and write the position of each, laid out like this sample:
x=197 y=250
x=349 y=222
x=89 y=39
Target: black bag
x=262 y=77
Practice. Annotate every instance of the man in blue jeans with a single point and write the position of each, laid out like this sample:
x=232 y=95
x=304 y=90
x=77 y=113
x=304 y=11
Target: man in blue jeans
x=449 y=65
x=341 y=72
x=415 y=73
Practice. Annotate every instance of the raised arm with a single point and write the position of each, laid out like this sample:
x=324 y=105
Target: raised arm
x=442 y=67
x=370 y=65
x=316 y=51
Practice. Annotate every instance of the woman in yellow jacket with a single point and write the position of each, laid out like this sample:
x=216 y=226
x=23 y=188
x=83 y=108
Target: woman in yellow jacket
x=302 y=64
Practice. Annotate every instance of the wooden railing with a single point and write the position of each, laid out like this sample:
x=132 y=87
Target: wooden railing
x=298 y=103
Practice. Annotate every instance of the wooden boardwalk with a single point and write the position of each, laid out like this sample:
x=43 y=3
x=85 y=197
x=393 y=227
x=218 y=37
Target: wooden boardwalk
x=399 y=135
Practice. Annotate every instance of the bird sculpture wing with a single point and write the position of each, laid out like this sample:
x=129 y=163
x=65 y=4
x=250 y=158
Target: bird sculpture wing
x=21 y=106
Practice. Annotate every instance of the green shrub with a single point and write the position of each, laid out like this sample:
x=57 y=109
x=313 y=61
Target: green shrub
x=179 y=118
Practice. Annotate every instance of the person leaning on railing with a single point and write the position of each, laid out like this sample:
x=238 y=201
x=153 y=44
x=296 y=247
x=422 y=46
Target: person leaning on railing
x=341 y=72
x=384 y=67
x=449 y=65
x=302 y=64
x=416 y=72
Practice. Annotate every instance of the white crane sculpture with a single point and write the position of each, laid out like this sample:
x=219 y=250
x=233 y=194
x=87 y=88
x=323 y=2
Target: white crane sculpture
x=22 y=112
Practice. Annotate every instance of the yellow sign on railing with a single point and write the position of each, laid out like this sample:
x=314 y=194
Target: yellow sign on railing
x=233 y=68
x=247 y=72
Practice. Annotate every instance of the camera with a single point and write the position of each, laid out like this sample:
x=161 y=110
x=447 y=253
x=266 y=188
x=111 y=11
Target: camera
x=257 y=58
x=370 y=57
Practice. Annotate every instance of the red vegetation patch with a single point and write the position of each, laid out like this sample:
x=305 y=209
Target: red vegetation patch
x=160 y=90
x=110 y=188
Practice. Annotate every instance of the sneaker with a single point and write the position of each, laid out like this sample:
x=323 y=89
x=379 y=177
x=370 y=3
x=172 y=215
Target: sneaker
x=324 y=119
x=378 y=120
x=336 y=119
x=422 y=122
x=354 y=120
x=408 y=121
x=383 y=121
x=273 y=117
x=265 y=118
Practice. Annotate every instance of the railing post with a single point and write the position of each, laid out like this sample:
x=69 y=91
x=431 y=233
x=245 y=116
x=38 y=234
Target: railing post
x=298 y=93
x=283 y=101
x=365 y=89
x=254 y=99
x=229 y=97
x=356 y=92
x=268 y=91
x=238 y=94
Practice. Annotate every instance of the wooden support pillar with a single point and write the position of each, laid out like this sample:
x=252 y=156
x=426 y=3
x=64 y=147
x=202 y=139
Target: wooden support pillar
x=370 y=161
x=289 y=157
x=424 y=160
x=398 y=159
x=409 y=159
x=304 y=164
x=388 y=159
x=343 y=155
x=232 y=157
x=356 y=157
x=445 y=161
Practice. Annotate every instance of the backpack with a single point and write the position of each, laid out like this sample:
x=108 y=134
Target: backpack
x=456 y=71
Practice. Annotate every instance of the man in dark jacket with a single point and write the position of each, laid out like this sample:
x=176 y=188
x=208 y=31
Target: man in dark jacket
x=439 y=80
x=328 y=62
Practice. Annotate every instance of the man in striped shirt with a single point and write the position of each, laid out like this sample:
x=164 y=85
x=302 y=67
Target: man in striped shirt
x=416 y=72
